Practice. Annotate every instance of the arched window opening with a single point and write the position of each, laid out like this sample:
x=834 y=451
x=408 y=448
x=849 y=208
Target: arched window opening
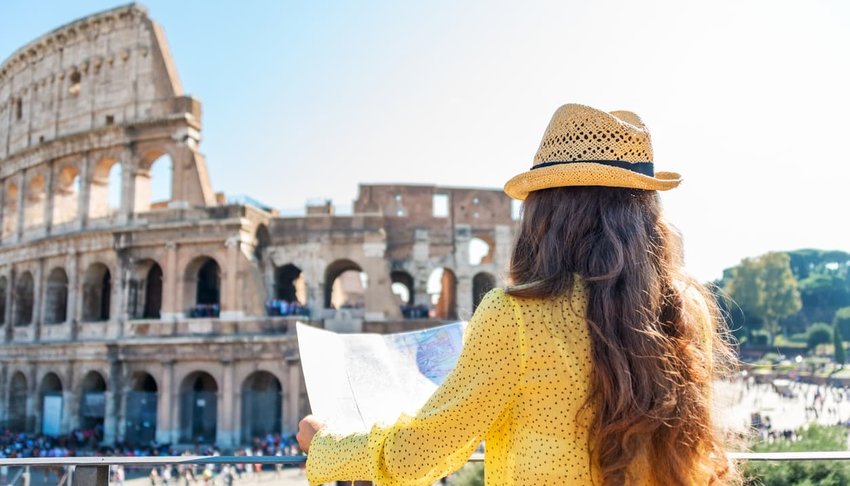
x=203 y=287
x=480 y=252
x=198 y=409
x=145 y=291
x=35 y=201
x=261 y=406
x=51 y=401
x=93 y=404
x=481 y=284
x=290 y=292
x=24 y=300
x=3 y=289
x=153 y=182
x=105 y=189
x=140 y=412
x=56 y=297
x=75 y=80
x=66 y=195
x=18 y=394
x=97 y=291
x=402 y=288
x=442 y=289
x=10 y=211
x=345 y=285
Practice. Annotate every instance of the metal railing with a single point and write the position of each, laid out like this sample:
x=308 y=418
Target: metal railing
x=94 y=471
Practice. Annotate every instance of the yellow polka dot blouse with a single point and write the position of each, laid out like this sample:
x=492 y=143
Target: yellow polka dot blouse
x=522 y=377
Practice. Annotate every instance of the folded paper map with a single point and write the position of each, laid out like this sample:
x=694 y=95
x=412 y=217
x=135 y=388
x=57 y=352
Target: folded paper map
x=357 y=380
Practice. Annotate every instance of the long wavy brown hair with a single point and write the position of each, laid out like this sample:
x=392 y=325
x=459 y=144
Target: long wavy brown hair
x=657 y=341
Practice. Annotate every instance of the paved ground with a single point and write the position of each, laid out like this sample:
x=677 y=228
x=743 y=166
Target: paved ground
x=821 y=404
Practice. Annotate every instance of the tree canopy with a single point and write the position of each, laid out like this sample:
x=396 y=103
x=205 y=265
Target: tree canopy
x=765 y=288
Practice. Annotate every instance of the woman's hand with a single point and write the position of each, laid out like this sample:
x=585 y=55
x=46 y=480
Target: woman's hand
x=307 y=428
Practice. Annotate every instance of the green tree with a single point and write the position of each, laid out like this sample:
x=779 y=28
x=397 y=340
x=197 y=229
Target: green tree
x=842 y=320
x=781 y=297
x=838 y=344
x=819 y=333
x=766 y=288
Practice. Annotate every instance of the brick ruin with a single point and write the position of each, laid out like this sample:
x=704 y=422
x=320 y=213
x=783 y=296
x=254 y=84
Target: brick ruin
x=173 y=320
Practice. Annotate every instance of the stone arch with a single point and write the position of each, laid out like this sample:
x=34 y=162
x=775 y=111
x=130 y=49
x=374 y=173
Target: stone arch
x=481 y=250
x=18 y=393
x=56 y=297
x=152 y=181
x=51 y=404
x=97 y=292
x=24 y=301
x=262 y=401
x=36 y=197
x=105 y=188
x=202 y=287
x=145 y=290
x=442 y=289
x=198 y=408
x=10 y=210
x=93 y=402
x=141 y=409
x=345 y=285
x=66 y=194
x=4 y=287
x=482 y=283
x=402 y=286
x=289 y=285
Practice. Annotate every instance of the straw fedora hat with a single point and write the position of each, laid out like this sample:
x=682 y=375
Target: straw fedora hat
x=583 y=146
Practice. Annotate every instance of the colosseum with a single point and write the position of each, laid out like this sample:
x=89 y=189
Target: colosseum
x=173 y=320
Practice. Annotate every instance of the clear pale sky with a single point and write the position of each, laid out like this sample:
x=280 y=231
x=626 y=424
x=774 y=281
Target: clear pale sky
x=749 y=100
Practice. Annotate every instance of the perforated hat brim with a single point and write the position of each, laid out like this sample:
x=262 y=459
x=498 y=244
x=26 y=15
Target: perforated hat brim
x=587 y=174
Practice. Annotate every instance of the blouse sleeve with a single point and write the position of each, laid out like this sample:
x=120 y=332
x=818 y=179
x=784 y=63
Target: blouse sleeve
x=440 y=438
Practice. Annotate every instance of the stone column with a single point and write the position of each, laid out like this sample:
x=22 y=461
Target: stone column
x=166 y=409
x=421 y=259
x=10 y=289
x=33 y=414
x=502 y=253
x=38 y=299
x=464 y=297
x=48 y=198
x=293 y=397
x=2 y=208
x=22 y=190
x=4 y=393
x=71 y=397
x=229 y=301
x=172 y=295
x=463 y=235
x=226 y=433
x=84 y=196
x=113 y=397
x=73 y=292
x=128 y=187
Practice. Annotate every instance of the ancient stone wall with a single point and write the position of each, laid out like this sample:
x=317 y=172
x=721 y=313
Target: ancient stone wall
x=152 y=312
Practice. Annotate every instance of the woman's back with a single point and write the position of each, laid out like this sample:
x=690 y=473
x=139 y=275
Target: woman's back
x=544 y=436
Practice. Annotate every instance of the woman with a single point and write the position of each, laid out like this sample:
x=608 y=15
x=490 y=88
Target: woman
x=595 y=365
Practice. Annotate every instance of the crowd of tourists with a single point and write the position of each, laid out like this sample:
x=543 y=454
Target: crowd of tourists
x=84 y=443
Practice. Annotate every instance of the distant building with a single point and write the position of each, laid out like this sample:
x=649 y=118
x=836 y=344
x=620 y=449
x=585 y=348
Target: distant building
x=173 y=320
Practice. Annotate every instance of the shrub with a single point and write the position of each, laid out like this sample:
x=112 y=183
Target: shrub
x=799 y=473
x=819 y=333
